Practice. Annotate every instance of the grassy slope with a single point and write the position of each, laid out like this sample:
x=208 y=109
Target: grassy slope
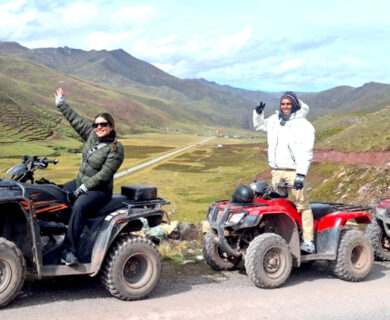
x=348 y=133
x=26 y=105
x=191 y=181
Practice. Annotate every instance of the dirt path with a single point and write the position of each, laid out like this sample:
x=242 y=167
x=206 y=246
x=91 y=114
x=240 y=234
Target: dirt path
x=310 y=293
x=158 y=159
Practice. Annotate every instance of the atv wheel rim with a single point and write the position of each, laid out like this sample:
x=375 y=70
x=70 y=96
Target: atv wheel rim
x=385 y=242
x=137 y=271
x=359 y=257
x=274 y=262
x=5 y=275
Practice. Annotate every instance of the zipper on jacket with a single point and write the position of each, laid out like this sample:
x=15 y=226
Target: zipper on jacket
x=291 y=153
x=276 y=148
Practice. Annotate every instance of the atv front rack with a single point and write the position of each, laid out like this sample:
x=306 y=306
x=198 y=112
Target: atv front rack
x=218 y=219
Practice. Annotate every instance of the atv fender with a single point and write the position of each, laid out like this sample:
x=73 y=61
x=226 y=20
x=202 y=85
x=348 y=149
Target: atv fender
x=115 y=224
x=338 y=219
x=327 y=242
x=18 y=226
x=285 y=226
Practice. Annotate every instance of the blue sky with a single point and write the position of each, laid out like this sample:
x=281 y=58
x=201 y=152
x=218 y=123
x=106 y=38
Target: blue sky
x=271 y=45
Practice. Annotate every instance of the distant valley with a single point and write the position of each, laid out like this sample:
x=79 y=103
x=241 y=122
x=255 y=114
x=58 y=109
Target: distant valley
x=144 y=98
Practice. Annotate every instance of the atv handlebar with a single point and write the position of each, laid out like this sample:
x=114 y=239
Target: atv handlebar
x=25 y=170
x=271 y=191
x=53 y=161
x=36 y=161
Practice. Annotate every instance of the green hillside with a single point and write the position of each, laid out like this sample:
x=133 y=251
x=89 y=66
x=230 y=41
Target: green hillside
x=368 y=98
x=145 y=99
x=348 y=133
x=212 y=103
x=28 y=82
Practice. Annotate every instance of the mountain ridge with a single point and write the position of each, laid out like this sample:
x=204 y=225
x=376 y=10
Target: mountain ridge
x=150 y=99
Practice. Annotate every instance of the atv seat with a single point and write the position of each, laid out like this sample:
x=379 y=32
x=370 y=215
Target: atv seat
x=116 y=202
x=320 y=209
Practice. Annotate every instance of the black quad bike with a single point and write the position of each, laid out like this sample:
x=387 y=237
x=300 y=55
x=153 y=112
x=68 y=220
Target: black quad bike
x=378 y=231
x=263 y=227
x=33 y=222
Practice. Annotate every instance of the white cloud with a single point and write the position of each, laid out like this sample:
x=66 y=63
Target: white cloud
x=232 y=43
x=79 y=14
x=110 y=41
x=133 y=15
x=221 y=41
x=288 y=66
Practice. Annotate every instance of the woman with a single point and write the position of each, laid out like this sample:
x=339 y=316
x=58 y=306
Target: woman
x=102 y=156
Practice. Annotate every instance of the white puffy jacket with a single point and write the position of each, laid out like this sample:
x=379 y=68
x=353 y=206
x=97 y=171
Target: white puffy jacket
x=289 y=146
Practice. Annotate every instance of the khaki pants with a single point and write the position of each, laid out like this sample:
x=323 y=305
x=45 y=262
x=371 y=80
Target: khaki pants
x=300 y=199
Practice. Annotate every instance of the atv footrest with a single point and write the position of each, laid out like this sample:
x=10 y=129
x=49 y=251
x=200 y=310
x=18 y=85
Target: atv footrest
x=52 y=228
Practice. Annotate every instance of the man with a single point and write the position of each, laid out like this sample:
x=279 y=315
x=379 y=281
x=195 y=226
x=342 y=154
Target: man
x=290 y=138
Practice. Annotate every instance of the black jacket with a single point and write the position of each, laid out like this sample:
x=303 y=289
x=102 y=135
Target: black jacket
x=97 y=168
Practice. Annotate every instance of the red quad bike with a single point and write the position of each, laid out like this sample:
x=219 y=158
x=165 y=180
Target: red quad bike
x=262 y=226
x=33 y=223
x=378 y=231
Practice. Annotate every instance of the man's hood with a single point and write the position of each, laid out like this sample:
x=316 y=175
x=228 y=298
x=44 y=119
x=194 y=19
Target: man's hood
x=301 y=113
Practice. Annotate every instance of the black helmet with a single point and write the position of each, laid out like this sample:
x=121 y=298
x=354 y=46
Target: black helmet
x=243 y=194
x=259 y=187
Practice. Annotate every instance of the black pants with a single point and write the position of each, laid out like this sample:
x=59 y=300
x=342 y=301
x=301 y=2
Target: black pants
x=84 y=207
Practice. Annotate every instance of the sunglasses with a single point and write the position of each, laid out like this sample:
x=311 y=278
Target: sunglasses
x=102 y=124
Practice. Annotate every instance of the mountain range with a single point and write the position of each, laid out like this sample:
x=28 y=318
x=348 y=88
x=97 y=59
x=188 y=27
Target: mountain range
x=144 y=97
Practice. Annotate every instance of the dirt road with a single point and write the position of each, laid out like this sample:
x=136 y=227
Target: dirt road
x=158 y=159
x=310 y=293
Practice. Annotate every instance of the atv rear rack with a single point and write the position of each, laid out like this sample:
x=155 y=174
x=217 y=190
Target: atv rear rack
x=146 y=203
x=348 y=207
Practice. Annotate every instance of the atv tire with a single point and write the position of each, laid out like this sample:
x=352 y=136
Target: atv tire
x=354 y=256
x=268 y=261
x=132 y=268
x=12 y=271
x=216 y=258
x=379 y=240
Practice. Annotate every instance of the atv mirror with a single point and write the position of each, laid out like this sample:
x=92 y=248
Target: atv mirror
x=17 y=170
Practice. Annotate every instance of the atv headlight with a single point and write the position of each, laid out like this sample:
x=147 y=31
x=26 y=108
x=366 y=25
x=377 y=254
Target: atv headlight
x=236 y=218
x=381 y=212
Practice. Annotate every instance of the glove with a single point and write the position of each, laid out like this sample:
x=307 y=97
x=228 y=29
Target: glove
x=259 y=109
x=298 y=182
x=80 y=190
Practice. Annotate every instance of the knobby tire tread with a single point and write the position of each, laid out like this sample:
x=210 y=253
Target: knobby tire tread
x=106 y=274
x=340 y=267
x=8 y=245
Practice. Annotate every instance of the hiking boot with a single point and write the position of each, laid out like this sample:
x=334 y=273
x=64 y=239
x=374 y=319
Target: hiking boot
x=308 y=246
x=69 y=259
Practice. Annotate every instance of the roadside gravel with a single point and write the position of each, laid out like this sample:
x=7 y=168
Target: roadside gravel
x=195 y=292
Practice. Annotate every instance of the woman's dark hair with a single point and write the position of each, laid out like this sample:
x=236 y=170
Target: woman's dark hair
x=111 y=122
x=108 y=117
